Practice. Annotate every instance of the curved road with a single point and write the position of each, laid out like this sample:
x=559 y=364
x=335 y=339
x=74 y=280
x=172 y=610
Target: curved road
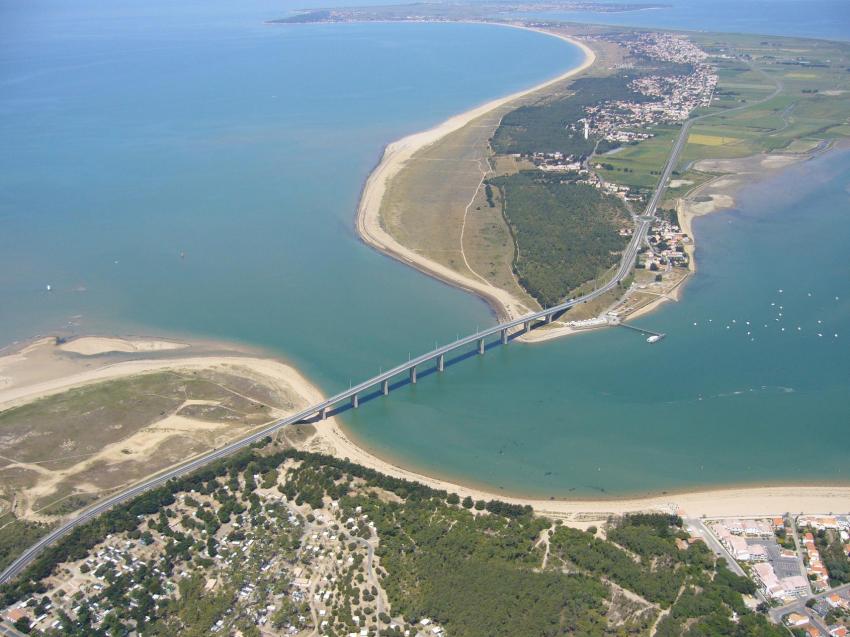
x=643 y=223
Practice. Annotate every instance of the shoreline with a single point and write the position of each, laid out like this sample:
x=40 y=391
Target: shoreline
x=331 y=438
x=722 y=500
x=394 y=157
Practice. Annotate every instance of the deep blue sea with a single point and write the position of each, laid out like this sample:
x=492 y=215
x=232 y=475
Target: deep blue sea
x=132 y=133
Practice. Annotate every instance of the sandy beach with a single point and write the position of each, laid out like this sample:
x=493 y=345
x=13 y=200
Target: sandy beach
x=398 y=153
x=733 y=501
x=42 y=368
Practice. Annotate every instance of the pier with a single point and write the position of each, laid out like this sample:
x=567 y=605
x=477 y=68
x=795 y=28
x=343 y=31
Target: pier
x=643 y=330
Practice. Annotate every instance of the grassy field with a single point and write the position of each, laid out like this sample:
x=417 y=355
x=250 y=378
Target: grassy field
x=62 y=452
x=812 y=105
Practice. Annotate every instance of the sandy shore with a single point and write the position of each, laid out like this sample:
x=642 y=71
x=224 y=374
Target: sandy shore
x=42 y=368
x=738 y=501
x=95 y=345
x=398 y=153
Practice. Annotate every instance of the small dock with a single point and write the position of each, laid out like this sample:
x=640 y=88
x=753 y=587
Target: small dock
x=652 y=337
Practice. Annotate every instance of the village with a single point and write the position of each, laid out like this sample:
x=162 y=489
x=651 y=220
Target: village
x=799 y=564
x=669 y=98
x=294 y=569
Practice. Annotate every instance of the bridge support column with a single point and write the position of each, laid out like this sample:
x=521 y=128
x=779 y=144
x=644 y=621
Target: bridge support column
x=505 y=336
x=413 y=375
x=324 y=413
x=385 y=387
x=441 y=363
x=526 y=327
x=481 y=347
x=549 y=317
x=355 y=401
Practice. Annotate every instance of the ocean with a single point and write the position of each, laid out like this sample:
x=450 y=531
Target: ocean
x=190 y=171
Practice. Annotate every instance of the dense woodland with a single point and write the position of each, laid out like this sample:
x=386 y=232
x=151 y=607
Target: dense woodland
x=565 y=233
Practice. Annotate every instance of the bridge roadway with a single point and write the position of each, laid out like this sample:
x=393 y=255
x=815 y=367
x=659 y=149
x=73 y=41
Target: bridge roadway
x=642 y=225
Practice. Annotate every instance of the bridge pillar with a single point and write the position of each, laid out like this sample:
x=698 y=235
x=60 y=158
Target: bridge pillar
x=549 y=317
x=355 y=401
x=413 y=375
x=385 y=387
x=441 y=363
x=481 y=346
x=505 y=336
x=324 y=413
x=526 y=327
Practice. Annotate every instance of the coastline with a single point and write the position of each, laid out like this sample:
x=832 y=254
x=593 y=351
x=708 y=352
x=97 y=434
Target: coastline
x=331 y=438
x=396 y=154
x=740 y=500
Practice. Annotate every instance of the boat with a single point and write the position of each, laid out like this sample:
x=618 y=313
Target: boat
x=655 y=338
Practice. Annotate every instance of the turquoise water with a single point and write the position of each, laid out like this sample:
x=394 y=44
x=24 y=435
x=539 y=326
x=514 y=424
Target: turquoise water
x=609 y=413
x=132 y=133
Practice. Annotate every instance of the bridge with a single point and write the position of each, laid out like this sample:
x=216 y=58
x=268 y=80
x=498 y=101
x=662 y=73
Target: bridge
x=436 y=359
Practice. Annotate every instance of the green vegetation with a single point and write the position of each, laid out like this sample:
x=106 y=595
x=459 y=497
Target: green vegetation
x=431 y=547
x=834 y=556
x=565 y=233
x=16 y=536
x=546 y=127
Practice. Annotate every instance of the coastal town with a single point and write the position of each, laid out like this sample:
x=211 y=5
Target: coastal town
x=285 y=565
x=799 y=565
x=664 y=98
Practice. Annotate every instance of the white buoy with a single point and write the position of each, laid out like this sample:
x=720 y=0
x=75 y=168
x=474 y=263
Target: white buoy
x=783 y=329
x=780 y=291
x=49 y=288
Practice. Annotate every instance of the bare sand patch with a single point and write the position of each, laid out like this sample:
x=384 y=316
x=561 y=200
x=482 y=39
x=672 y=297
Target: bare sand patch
x=113 y=422
x=94 y=345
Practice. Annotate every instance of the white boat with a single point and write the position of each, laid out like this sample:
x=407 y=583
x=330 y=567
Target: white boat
x=655 y=338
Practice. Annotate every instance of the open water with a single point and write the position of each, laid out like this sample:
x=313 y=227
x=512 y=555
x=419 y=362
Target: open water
x=134 y=133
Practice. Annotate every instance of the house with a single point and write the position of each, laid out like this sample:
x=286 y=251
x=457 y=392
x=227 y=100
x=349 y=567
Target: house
x=739 y=548
x=757 y=553
x=796 y=620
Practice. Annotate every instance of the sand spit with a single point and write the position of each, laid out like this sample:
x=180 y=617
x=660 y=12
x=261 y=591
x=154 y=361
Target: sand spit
x=398 y=153
x=95 y=345
x=42 y=368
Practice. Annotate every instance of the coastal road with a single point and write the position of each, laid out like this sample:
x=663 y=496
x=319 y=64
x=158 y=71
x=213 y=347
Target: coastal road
x=799 y=605
x=642 y=226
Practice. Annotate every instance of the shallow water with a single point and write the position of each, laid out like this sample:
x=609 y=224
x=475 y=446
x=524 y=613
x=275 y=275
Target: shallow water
x=136 y=135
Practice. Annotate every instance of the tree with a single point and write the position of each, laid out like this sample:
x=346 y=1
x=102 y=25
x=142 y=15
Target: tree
x=467 y=502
